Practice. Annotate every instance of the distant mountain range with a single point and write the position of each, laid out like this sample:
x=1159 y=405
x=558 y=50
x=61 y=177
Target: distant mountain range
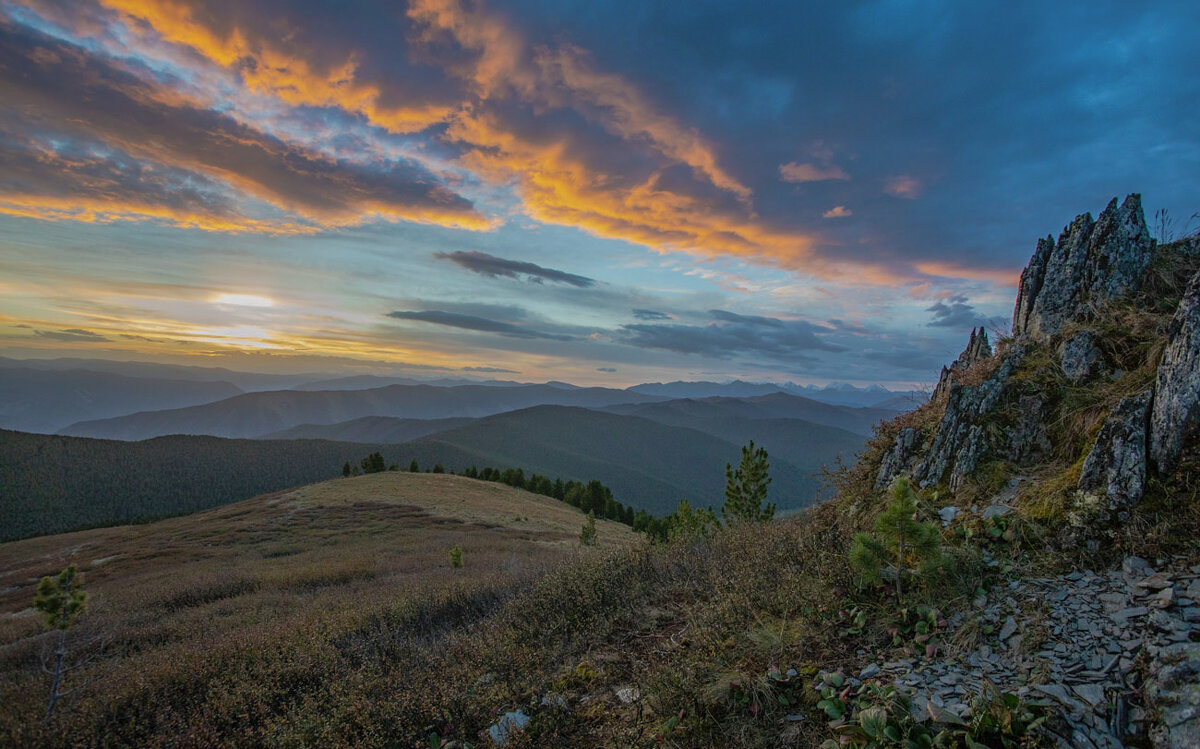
x=33 y=400
x=256 y=414
x=650 y=444
x=837 y=393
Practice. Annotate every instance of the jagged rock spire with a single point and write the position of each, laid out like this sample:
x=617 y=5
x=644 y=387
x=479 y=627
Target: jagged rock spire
x=1092 y=261
x=978 y=349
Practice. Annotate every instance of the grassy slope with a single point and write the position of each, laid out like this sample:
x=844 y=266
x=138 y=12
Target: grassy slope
x=244 y=607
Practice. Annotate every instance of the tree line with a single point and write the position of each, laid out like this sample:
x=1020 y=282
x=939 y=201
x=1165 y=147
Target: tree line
x=745 y=494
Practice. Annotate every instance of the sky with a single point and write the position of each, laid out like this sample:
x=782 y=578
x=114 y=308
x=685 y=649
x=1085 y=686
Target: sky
x=601 y=193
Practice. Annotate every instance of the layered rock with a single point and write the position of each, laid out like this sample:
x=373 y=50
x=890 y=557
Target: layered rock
x=1116 y=466
x=1175 y=419
x=1092 y=261
x=977 y=350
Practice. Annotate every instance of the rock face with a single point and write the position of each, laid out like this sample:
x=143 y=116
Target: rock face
x=977 y=350
x=899 y=457
x=1080 y=357
x=1176 y=415
x=960 y=441
x=1092 y=261
x=1116 y=466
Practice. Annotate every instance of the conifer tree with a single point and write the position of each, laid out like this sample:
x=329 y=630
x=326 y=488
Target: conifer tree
x=899 y=538
x=691 y=523
x=413 y=467
x=746 y=488
x=346 y=469
x=587 y=535
x=62 y=600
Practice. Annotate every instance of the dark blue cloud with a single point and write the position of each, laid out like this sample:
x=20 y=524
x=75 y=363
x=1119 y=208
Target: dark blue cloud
x=492 y=266
x=731 y=334
x=472 y=322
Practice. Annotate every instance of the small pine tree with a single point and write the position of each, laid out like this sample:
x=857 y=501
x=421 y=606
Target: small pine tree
x=438 y=468
x=456 y=557
x=691 y=523
x=346 y=469
x=746 y=488
x=899 y=538
x=587 y=535
x=413 y=467
x=62 y=601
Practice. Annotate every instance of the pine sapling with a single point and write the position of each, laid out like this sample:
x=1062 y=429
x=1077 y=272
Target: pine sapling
x=62 y=600
x=587 y=534
x=899 y=538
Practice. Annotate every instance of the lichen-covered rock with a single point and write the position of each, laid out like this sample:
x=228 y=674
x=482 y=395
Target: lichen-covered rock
x=1116 y=466
x=955 y=450
x=1027 y=439
x=1080 y=357
x=897 y=460
x=1174 y=690
x=977 y=350
x=1092 y=261
x=1175 y=419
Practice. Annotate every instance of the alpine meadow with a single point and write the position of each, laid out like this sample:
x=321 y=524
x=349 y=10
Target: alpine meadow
x=536 y=373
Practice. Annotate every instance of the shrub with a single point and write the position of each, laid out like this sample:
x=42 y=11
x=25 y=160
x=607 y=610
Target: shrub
x=456 y=557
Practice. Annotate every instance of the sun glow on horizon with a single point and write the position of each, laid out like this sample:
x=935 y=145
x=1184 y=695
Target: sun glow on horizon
x=243 y=300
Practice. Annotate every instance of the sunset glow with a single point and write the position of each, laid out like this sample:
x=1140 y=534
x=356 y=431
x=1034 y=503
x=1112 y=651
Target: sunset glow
x=444 y=187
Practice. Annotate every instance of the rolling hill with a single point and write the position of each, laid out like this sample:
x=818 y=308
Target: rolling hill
x=267 y=603
x=380 y=429
x=51 y=484
x=255 y=414
x=647 y=464
x=773 y=406
x=42 y=400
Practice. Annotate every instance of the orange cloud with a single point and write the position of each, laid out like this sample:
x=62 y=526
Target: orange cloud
x=102 y=211
x=838 y=211
x=267 y=68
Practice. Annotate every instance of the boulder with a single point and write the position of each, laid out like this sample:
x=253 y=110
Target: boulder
x=1116 y=466
x=1175 y=419
x=1091 y=262
x=1080 y=357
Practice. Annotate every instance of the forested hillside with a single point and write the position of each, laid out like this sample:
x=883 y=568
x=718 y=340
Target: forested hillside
x=51 y=484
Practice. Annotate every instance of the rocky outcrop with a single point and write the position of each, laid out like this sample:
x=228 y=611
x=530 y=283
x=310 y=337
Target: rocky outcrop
x=1091 y=262
x=1116 y=466
x=977 y=350
x=1080 y=357
x=1175 y=419
x=898 y=459
x=960 y=441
